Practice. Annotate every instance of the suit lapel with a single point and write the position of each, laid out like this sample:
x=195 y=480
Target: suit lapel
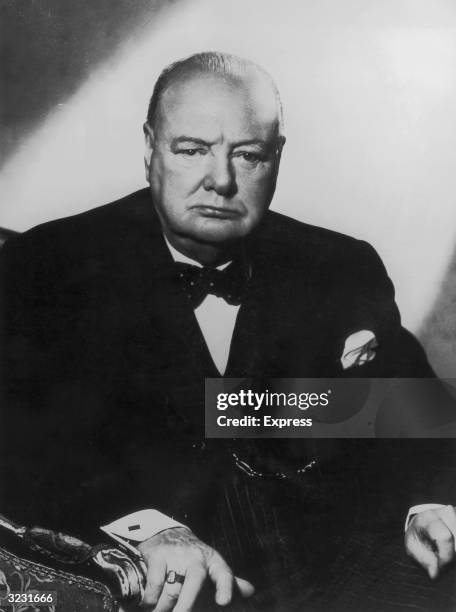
x=257 y=326
x=281 y=327
x=182 y=344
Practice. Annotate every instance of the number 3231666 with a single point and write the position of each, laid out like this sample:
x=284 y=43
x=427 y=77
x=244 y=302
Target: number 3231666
x=35 y=597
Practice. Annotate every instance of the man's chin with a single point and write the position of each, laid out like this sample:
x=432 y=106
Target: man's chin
x=220 y=232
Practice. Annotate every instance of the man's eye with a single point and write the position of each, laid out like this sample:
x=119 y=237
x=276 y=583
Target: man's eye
x=249 y=157
x=190 y=152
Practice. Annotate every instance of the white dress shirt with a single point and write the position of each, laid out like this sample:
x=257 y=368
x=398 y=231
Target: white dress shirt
x=216 y=318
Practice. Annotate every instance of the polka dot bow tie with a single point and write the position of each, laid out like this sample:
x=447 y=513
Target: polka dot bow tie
x=196 y=283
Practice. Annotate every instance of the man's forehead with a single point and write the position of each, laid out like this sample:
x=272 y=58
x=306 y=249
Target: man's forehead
x=241 y=106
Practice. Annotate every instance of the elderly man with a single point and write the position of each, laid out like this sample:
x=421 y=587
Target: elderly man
x=113 y=318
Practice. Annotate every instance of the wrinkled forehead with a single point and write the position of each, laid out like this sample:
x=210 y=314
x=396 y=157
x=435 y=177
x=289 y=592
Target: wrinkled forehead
x=241 y=107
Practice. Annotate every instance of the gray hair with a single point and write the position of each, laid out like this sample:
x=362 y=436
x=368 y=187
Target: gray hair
x=217 y=63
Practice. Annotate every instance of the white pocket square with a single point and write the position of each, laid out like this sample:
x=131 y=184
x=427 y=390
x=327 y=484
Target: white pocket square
x=359 y=349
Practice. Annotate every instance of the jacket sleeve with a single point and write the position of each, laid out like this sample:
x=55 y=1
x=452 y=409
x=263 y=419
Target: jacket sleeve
x=417 y=467
x=78 y=450
x=27 y=342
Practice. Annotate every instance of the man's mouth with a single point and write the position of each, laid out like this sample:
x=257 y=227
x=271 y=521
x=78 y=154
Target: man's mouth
x=216 y=212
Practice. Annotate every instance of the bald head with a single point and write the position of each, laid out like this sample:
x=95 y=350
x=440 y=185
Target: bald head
x=242 y=73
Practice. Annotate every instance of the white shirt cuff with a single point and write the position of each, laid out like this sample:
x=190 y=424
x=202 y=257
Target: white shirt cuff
x=139 y=526
x=420 y=508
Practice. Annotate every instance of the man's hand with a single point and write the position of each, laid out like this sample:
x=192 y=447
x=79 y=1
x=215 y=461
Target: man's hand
x=180 y=550
x=431 y=539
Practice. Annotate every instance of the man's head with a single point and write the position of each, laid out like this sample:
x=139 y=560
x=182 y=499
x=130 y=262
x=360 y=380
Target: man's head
x=213 y=145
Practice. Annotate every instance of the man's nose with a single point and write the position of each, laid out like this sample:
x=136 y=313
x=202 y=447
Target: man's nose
x=219 y=176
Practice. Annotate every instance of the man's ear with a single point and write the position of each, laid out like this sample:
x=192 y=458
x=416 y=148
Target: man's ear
x=281 y=144
x=281 y=140
x=149 y=144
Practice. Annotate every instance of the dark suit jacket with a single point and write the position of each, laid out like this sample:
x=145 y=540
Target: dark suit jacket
x=104 y=363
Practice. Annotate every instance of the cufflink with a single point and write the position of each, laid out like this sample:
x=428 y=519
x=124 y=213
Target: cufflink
x=138 y=527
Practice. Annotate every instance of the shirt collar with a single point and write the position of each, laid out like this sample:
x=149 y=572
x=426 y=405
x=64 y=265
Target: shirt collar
x=181 y=258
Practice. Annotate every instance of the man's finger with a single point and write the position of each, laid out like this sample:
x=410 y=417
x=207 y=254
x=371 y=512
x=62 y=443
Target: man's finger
x=421 y=552
x=245 y=587
x=155 y=578
x=194 y=580
x=223 y=578
x=169 y=595
x=448 y=516
x=442 y=538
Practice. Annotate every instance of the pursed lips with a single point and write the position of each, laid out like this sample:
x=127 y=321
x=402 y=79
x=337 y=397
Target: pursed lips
x=221 y=212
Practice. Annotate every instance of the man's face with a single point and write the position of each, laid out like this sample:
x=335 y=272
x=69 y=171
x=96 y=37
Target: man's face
x=212 y=158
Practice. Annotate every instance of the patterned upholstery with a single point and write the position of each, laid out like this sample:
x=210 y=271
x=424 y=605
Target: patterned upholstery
x=74 y=593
